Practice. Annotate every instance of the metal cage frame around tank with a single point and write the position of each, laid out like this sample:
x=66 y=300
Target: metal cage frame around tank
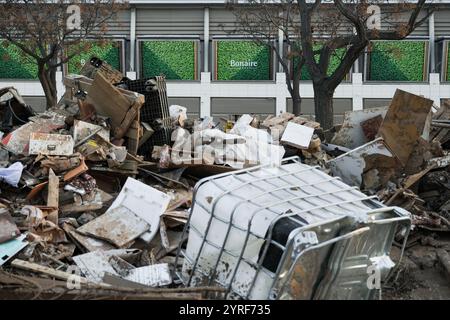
x=268 y=238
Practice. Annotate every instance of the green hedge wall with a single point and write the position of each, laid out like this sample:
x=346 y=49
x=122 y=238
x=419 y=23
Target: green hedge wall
x=175 y=59
x=242 y=51
x=108 y=51
x=397 y=60
x=15 y=65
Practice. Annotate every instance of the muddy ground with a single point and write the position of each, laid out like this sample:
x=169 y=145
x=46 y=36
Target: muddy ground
x=420 y=275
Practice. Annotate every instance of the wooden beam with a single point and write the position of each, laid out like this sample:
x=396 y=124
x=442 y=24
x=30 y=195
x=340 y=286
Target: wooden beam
x=53 y=196
x=57 y=274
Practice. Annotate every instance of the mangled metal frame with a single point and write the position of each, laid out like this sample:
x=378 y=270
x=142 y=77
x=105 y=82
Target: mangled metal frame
x=301 y=241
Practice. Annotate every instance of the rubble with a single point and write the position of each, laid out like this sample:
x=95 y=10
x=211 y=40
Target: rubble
x=10 y=248
x=14 y=111
x=139 y=198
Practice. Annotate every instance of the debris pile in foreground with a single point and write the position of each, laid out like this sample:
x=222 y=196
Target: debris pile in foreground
x=114 y=193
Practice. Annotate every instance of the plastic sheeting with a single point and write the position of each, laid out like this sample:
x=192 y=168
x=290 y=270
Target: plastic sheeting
x=12 y=174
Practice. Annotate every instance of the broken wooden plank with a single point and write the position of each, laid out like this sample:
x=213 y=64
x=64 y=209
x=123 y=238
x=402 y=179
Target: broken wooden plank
x=108 y=100
x=76 y=171
x=53 y=196
x=128 y=118
x=72 y=81
x=73 y=208
x=34 y=267
x=134 y=134
x=96 y=65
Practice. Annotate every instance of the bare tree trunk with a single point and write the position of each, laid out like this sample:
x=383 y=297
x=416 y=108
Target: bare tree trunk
x=47 y=77
x=295 y=94
x=296 y=105
x=323 y=106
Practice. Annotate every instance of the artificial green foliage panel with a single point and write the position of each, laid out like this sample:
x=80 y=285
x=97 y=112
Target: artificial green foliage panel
x=14 y=64
x=335 y=61
x=109 y=51
x=242 y=60
x=175 y=59
x=397 y=60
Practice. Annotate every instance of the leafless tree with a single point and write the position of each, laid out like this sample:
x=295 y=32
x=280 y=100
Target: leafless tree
x=317 y=30
x=263 y=21
x=44 y=29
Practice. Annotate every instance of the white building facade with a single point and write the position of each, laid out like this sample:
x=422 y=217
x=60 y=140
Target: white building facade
x=190 y=42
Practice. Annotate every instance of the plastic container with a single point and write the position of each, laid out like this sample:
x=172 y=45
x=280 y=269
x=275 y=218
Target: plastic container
x=287 y=232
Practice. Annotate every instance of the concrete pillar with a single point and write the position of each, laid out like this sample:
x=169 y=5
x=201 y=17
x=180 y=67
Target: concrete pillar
x=206 y=40
x=432 y=43
x=60 y=89
x=205 y=98
x=132 y=66
x=357 y=89
x=435 y=88
x=280 y=103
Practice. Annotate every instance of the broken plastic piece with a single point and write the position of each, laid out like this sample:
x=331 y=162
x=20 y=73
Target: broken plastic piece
x=12 y=174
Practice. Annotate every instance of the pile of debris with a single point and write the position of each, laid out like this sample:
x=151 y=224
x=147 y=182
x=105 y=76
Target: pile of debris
x=97 y=192
x=401 y=154
x=80 y=203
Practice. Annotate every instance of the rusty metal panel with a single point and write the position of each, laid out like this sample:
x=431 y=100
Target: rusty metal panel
x=404 y=122
x=51 y=144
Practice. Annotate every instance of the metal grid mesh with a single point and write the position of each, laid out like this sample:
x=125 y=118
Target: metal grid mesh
x=155 y=111
x=156 y=105
x=272 y=244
